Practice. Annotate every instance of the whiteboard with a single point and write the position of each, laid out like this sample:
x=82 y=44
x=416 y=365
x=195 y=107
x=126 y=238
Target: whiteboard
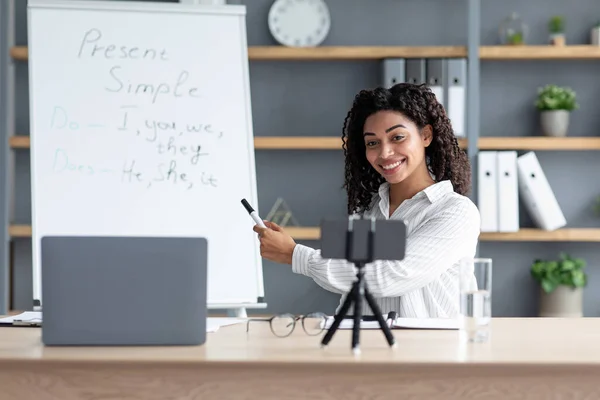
x=141 y=125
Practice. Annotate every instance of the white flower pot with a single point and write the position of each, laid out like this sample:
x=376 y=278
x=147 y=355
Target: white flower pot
x=563 y=302
x=595 y=36
x=558 y=39
x=555 y=122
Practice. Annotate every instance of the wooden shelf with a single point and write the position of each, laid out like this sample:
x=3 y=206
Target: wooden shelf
x=282 y=53
x=524 y=235
x=537 y=235
x=304 y=233
x=19 y=142
x=298 y=143
x=539 y=143
x=19 y=53
x=544 y=52
x=301 y=233
x=260 y=142
x=335 y=143
x=19 y=231
x=352 y=52
x=307 y=143
x=326 y=52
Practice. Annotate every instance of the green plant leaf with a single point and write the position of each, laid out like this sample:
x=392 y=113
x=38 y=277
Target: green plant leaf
x=568 y=265
x=579 y=279
x=553 y=97
x=556 y=24
x=567 y=271
x=548 y=285
x=597 y=206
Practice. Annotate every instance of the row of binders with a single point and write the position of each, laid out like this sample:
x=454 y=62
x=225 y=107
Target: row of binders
x=447 y=78
x=503 y=178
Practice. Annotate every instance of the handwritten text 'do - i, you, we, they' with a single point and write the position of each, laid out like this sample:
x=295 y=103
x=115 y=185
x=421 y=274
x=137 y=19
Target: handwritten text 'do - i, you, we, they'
x=122 y=80
x=149 y=128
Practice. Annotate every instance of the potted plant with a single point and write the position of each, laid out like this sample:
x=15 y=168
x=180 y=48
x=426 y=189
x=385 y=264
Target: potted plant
x=515 y=38
x=595 y=34
x=562 y=282
x=556 y=26
x=555 y=104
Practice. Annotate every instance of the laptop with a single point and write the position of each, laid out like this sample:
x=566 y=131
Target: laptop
x=123 y=291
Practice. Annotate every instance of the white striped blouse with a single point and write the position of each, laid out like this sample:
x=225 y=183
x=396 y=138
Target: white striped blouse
x=442 y=227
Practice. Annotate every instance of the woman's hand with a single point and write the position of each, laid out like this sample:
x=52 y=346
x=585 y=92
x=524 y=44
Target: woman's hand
x=275 y=244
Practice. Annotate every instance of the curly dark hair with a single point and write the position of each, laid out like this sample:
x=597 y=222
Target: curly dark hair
x=444 y=157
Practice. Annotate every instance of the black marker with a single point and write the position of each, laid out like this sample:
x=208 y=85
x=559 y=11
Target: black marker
x=253 y=214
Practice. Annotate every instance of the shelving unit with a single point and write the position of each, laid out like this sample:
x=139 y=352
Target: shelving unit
x=473 y=52
x=524 y=235
x=335 y=143
x=328 y=53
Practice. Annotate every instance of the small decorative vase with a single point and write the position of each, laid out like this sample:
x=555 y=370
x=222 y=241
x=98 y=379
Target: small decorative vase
x=563 y=302
x=595 y=36
x=558 y=39
x=555 y=122
x=513 y=31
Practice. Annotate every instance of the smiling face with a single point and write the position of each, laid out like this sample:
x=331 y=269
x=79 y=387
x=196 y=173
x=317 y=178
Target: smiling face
x=395 y=147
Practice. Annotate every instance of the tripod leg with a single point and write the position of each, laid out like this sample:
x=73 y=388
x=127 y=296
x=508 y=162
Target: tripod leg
x=357 y=317
x=340 y=315
x=377 y=312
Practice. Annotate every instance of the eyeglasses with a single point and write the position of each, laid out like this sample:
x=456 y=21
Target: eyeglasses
x=282 y=325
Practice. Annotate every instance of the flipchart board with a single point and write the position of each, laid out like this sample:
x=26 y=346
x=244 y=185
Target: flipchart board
x=141 y=126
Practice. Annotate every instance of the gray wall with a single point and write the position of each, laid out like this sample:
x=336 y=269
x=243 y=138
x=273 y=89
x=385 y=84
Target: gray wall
x=312 y=98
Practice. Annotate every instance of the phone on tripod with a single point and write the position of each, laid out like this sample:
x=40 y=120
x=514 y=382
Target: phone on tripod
x=361 y=241
x=389 y=242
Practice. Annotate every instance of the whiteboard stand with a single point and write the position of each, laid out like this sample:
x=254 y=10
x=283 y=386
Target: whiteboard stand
x=236 y=310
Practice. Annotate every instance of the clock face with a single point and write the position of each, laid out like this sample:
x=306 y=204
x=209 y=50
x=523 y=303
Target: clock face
x=299 y=23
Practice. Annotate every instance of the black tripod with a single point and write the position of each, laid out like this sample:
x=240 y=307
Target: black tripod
x=359 y=288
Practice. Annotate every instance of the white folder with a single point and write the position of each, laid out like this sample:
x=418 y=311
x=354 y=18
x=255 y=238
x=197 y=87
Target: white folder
x=508 y=192
x=487 y=190
x=457 y=94
x=537 y=194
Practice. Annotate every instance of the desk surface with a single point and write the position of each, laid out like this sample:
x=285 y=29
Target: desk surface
x=526 y=359
x=541 y=341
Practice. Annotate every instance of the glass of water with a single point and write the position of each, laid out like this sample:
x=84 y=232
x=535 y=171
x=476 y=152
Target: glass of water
x=475 y=298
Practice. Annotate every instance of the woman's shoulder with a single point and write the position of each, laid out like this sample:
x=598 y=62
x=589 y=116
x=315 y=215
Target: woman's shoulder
x=459 y=206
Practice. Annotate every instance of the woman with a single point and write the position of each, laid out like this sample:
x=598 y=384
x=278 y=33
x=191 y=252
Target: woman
x=402 y=162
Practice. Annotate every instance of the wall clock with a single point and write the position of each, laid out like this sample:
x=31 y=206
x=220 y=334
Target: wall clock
x=299 y=23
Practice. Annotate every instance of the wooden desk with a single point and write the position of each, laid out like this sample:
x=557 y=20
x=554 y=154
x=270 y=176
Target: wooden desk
x=526 y=359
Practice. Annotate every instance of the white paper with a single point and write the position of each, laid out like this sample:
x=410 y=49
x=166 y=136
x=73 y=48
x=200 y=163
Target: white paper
x=27 y=316
x=212 y=324
x=401 y=323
